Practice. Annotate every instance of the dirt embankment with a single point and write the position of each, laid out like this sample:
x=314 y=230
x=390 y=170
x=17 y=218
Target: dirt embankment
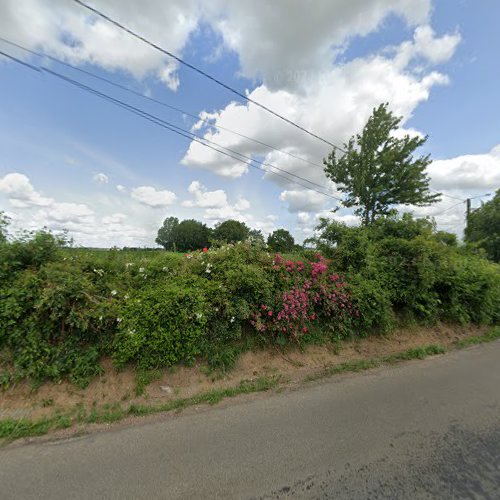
x=293 y=365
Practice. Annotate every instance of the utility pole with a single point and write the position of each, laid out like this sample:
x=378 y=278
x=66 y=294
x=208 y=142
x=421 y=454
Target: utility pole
x=468 y=205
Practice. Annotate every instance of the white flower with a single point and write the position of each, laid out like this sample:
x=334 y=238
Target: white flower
x=141 y=269
x=199 y=315
x=232 y=319
x=126 y=296
x=216 y=309
x=113 y=292
x=208 y=270
x=100 y=272
x=118 y=320
x=129 y=264
x=100 y=318
x=164 y=268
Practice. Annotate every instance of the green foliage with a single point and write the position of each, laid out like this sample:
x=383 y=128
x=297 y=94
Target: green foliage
x=161 y=325
x=191 y=234
x=62 y=308
x=256 y=237
x=231 y=231
x=4 y=223
x=483 y=228
x=378 y=170
x=400 y=265
x=167 y=233
x=281 y=241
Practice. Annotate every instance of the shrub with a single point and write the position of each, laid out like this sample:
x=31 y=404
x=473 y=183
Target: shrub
x=161 y=325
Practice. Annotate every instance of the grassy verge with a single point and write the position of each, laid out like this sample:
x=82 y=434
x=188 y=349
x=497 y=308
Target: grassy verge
x=11 y=429
x=367 y=364
x=493 y=334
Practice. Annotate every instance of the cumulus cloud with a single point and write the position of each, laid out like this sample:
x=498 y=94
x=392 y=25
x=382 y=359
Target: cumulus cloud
x=121 y=188
x=303 y=201
x=101 y=178
x=335 y=105
x=21 y=192
x=204 y=198
x=70 y=32
x=148 y=195
x=467 y=173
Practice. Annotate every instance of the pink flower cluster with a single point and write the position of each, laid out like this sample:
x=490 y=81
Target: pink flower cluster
x=311 y=293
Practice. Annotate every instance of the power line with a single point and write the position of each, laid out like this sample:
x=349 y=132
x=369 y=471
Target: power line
x=157 y=101
x=184 y=133
x=192 y=135
x=205 y=74
x=447 y=195
x=449 y=208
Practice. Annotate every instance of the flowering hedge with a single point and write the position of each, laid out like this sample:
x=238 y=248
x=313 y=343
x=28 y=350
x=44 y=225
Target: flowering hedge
x=62 y=309
x=306 y=293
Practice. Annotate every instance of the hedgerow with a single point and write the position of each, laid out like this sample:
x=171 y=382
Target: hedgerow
x=62 y=309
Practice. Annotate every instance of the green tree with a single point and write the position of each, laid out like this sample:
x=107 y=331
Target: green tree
x=256 y=237
x=191 y=234
x=4 y=222
x=231 y=231
x=166 y=233
x=483 y=227
x=281 y=241
x=379 y=171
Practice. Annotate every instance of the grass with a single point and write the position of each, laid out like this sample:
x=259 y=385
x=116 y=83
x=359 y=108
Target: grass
x=367 y=364
x=11 y=429
x=489 y=336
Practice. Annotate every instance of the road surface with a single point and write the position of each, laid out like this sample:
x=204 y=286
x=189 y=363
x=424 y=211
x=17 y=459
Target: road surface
x=424 y=429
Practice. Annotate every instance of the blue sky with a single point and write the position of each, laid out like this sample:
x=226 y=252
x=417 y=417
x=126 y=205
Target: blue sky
x=71 y=160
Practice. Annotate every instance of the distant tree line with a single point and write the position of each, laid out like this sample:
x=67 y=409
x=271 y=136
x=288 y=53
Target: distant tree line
x=190 y=234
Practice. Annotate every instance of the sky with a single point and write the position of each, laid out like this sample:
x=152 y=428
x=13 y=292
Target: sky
x=70 y=160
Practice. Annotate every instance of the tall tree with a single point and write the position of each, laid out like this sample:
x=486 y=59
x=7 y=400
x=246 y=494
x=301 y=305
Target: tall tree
x=378 y=169
x=166 y=233
x=281 y=241
x=231 y=231
x=4 y=222
x=483 y=227
x=191 y=234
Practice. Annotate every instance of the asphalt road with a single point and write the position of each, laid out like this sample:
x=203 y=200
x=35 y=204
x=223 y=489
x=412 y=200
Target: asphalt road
x=425 y=429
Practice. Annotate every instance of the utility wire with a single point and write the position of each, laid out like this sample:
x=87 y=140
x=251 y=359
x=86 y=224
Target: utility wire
x=157 y=101
x=186 y=133
x=447 y=195
x=449 y=208
x=205 y=74
x=178 y=130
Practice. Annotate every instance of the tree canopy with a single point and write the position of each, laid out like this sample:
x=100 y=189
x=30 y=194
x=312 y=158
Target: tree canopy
x=4 y=222
x=191 y=234
x=483 y=227
x=281 y=241
x=231 y=231
x=378 y=170
x=166 y=233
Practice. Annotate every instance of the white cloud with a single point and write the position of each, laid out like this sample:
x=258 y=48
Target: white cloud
x=426 y=45
x=254 y=29
x=101 y=178
x=204 y=198
x=303 y=218
x=69 y=31
x=467 y=174
x=303 y=201
x=148 y=195
x=21 y=192
x=116 y=218
x=121 y=188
